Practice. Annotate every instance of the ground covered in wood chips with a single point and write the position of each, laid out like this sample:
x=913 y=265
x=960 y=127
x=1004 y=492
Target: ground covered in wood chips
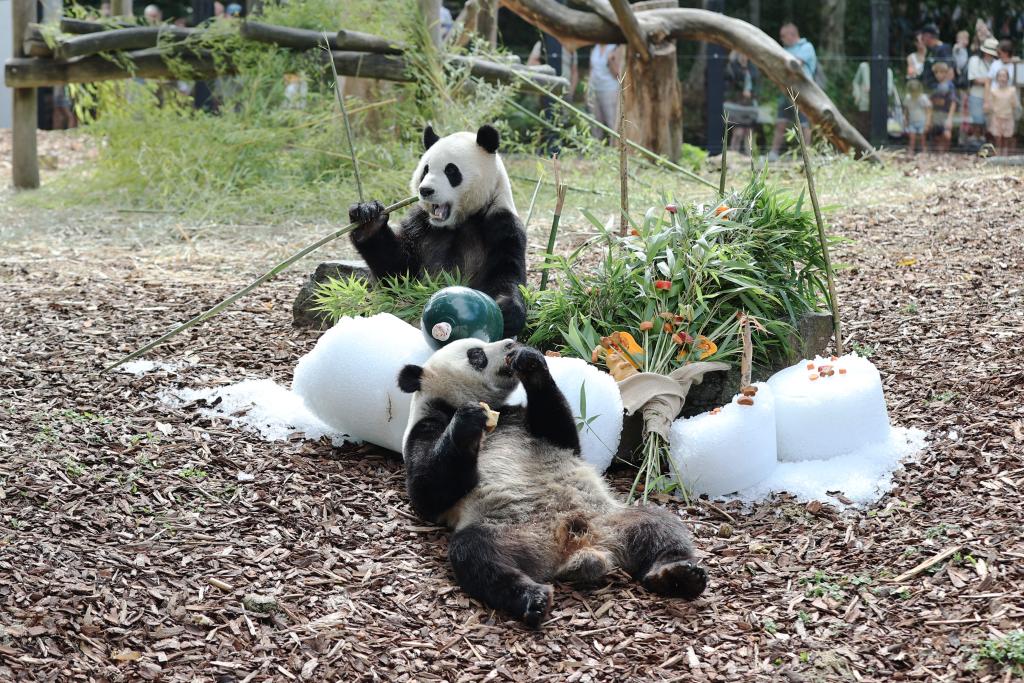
x=143 y=541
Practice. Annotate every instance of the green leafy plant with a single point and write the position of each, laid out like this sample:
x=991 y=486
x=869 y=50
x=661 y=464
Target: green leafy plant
x=1007 y=651
x=403 y=296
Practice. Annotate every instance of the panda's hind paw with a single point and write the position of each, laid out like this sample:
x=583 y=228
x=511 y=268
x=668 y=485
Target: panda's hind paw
x=536 y=603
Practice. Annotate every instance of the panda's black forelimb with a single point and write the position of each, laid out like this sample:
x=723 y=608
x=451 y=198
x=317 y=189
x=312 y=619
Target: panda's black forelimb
x=493 y=570
x=505 y=268
x=440 y=457
x=548 y=415
x=377 y=243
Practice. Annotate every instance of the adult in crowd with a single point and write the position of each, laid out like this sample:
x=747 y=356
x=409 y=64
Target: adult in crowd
x=569 y=61
x=915 y=60
x=862 y=100
x=1004 y=62
x=742 y=81
x=803 y=51
x=938 y=51
x=606 y=63
x=153 y=15
x=977 y=75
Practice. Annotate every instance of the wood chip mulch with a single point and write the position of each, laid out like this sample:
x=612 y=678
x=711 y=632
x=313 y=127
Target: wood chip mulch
x=142 y=541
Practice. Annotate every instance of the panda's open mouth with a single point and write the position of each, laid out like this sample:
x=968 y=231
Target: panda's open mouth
x=440 y=212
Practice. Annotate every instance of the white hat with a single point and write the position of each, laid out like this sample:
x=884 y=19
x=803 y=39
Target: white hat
x=990 y=47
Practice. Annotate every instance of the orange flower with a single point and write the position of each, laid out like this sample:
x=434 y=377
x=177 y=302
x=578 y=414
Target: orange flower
x=621 y=344
x=722 y=209
x=667 y=328
x=646 y=326
x=682 y=338
x=634 y=232
x=706 y=346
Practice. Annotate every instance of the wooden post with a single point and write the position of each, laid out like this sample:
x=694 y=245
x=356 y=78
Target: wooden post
x=487 y=21
x=654 y=100
x=122 y=8
x=431 y=10
x=25 y=159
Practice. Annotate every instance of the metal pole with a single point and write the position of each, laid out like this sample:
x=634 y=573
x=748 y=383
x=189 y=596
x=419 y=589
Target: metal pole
x=715 y=85
x=25 y=114
x=880 y=15
x=202 y=95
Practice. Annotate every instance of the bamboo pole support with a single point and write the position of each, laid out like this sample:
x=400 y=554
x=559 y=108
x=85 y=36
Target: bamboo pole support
x=25 y=157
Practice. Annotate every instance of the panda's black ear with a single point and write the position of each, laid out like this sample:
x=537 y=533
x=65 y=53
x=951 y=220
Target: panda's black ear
x=488 y=138
x=409 y=378
x=429 y=137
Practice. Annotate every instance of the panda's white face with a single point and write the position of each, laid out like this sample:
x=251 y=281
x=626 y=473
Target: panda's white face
x=466 y=371
x=459 y=175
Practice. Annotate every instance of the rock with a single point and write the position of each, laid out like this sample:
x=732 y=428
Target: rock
x=303 y=314
x=260 y=604
x=813 y=333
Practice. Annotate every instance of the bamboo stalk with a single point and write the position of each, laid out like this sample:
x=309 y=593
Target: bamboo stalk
x=623 y=163
x=344 y=116
x=829 y=272
x=748 y=352
x=206 y=315
x=533 y=203
x=590 y=119
x=553 y=235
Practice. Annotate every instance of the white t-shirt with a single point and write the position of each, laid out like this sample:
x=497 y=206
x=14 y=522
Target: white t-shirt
x=998 y=66
x=976 y=68
x=601 y=77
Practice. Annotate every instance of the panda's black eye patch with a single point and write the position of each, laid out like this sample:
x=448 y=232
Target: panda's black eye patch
x=426 y=170
x=454 y=174
x=477 y=358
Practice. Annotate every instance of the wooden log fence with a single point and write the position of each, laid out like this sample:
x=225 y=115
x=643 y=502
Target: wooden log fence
x=79 y=54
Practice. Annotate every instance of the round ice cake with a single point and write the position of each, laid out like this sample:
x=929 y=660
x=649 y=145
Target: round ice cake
x=828 y=407
x=727 y=449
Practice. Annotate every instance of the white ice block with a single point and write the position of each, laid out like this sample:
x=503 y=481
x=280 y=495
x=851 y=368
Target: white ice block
x=722 y=453
x=350 y=378
x=832 y=414
x=350 y=382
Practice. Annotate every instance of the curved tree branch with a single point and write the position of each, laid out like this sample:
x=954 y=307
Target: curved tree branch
x=576 y=29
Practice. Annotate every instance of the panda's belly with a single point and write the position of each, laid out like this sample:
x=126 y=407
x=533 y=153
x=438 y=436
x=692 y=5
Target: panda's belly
x=522 y=480
x=461 y=249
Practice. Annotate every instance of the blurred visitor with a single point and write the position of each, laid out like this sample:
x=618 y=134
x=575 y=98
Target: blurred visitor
x=447 y=21
x=977 y=74
x=233 y=10
x=1005 y=108
x=981 y=33
x=786 y=114
x=862 y=100
x=603 y=86
x=915 y=60
x=918 y=107
x=742 y=82
x=218 y=9
x=943 y=109
x=63 y=110
x=570 y=64
x=153 y=15
x=104 y=9
x=1004 y=62
x=938 y=52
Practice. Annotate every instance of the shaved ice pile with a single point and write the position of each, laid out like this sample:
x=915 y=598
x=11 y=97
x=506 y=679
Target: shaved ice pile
x=817 y=430
x=259 y=405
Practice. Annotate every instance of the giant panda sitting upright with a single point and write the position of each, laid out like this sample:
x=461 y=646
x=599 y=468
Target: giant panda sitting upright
x=525 y=508
x=465 y=220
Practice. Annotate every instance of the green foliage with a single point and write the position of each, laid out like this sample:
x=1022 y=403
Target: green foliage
x=1007 y=651
x=402 y=296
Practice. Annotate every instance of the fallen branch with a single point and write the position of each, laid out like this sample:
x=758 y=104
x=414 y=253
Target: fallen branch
x=911 y=573
x=125 y=39
x=305 y=39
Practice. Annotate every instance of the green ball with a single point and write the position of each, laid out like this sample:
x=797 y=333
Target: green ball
x=460 y=313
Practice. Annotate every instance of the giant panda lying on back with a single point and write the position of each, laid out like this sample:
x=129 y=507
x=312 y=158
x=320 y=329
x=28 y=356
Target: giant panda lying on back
x=525 y=508
x=465 y=220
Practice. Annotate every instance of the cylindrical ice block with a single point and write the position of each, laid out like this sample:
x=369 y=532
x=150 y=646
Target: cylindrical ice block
x=825 y=408
x=727 y=450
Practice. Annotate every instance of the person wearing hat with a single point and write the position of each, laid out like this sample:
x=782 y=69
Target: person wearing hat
x=938 y=51
x=977 y=74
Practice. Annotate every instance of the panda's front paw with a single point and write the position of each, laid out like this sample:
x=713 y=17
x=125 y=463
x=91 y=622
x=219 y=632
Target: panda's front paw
x=469 y=424
x=369 y=215
x=526 y=362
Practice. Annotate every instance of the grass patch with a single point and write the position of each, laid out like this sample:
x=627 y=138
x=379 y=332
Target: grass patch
x=1007 y=651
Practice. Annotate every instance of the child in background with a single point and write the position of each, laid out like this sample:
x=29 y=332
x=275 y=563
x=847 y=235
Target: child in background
x=917 y=106
x=943 y=100
x=1004 y=107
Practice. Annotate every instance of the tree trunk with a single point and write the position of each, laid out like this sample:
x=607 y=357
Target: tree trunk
x=833 y=27
x=487 y=21
x=653 y=101
x=432 y=16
